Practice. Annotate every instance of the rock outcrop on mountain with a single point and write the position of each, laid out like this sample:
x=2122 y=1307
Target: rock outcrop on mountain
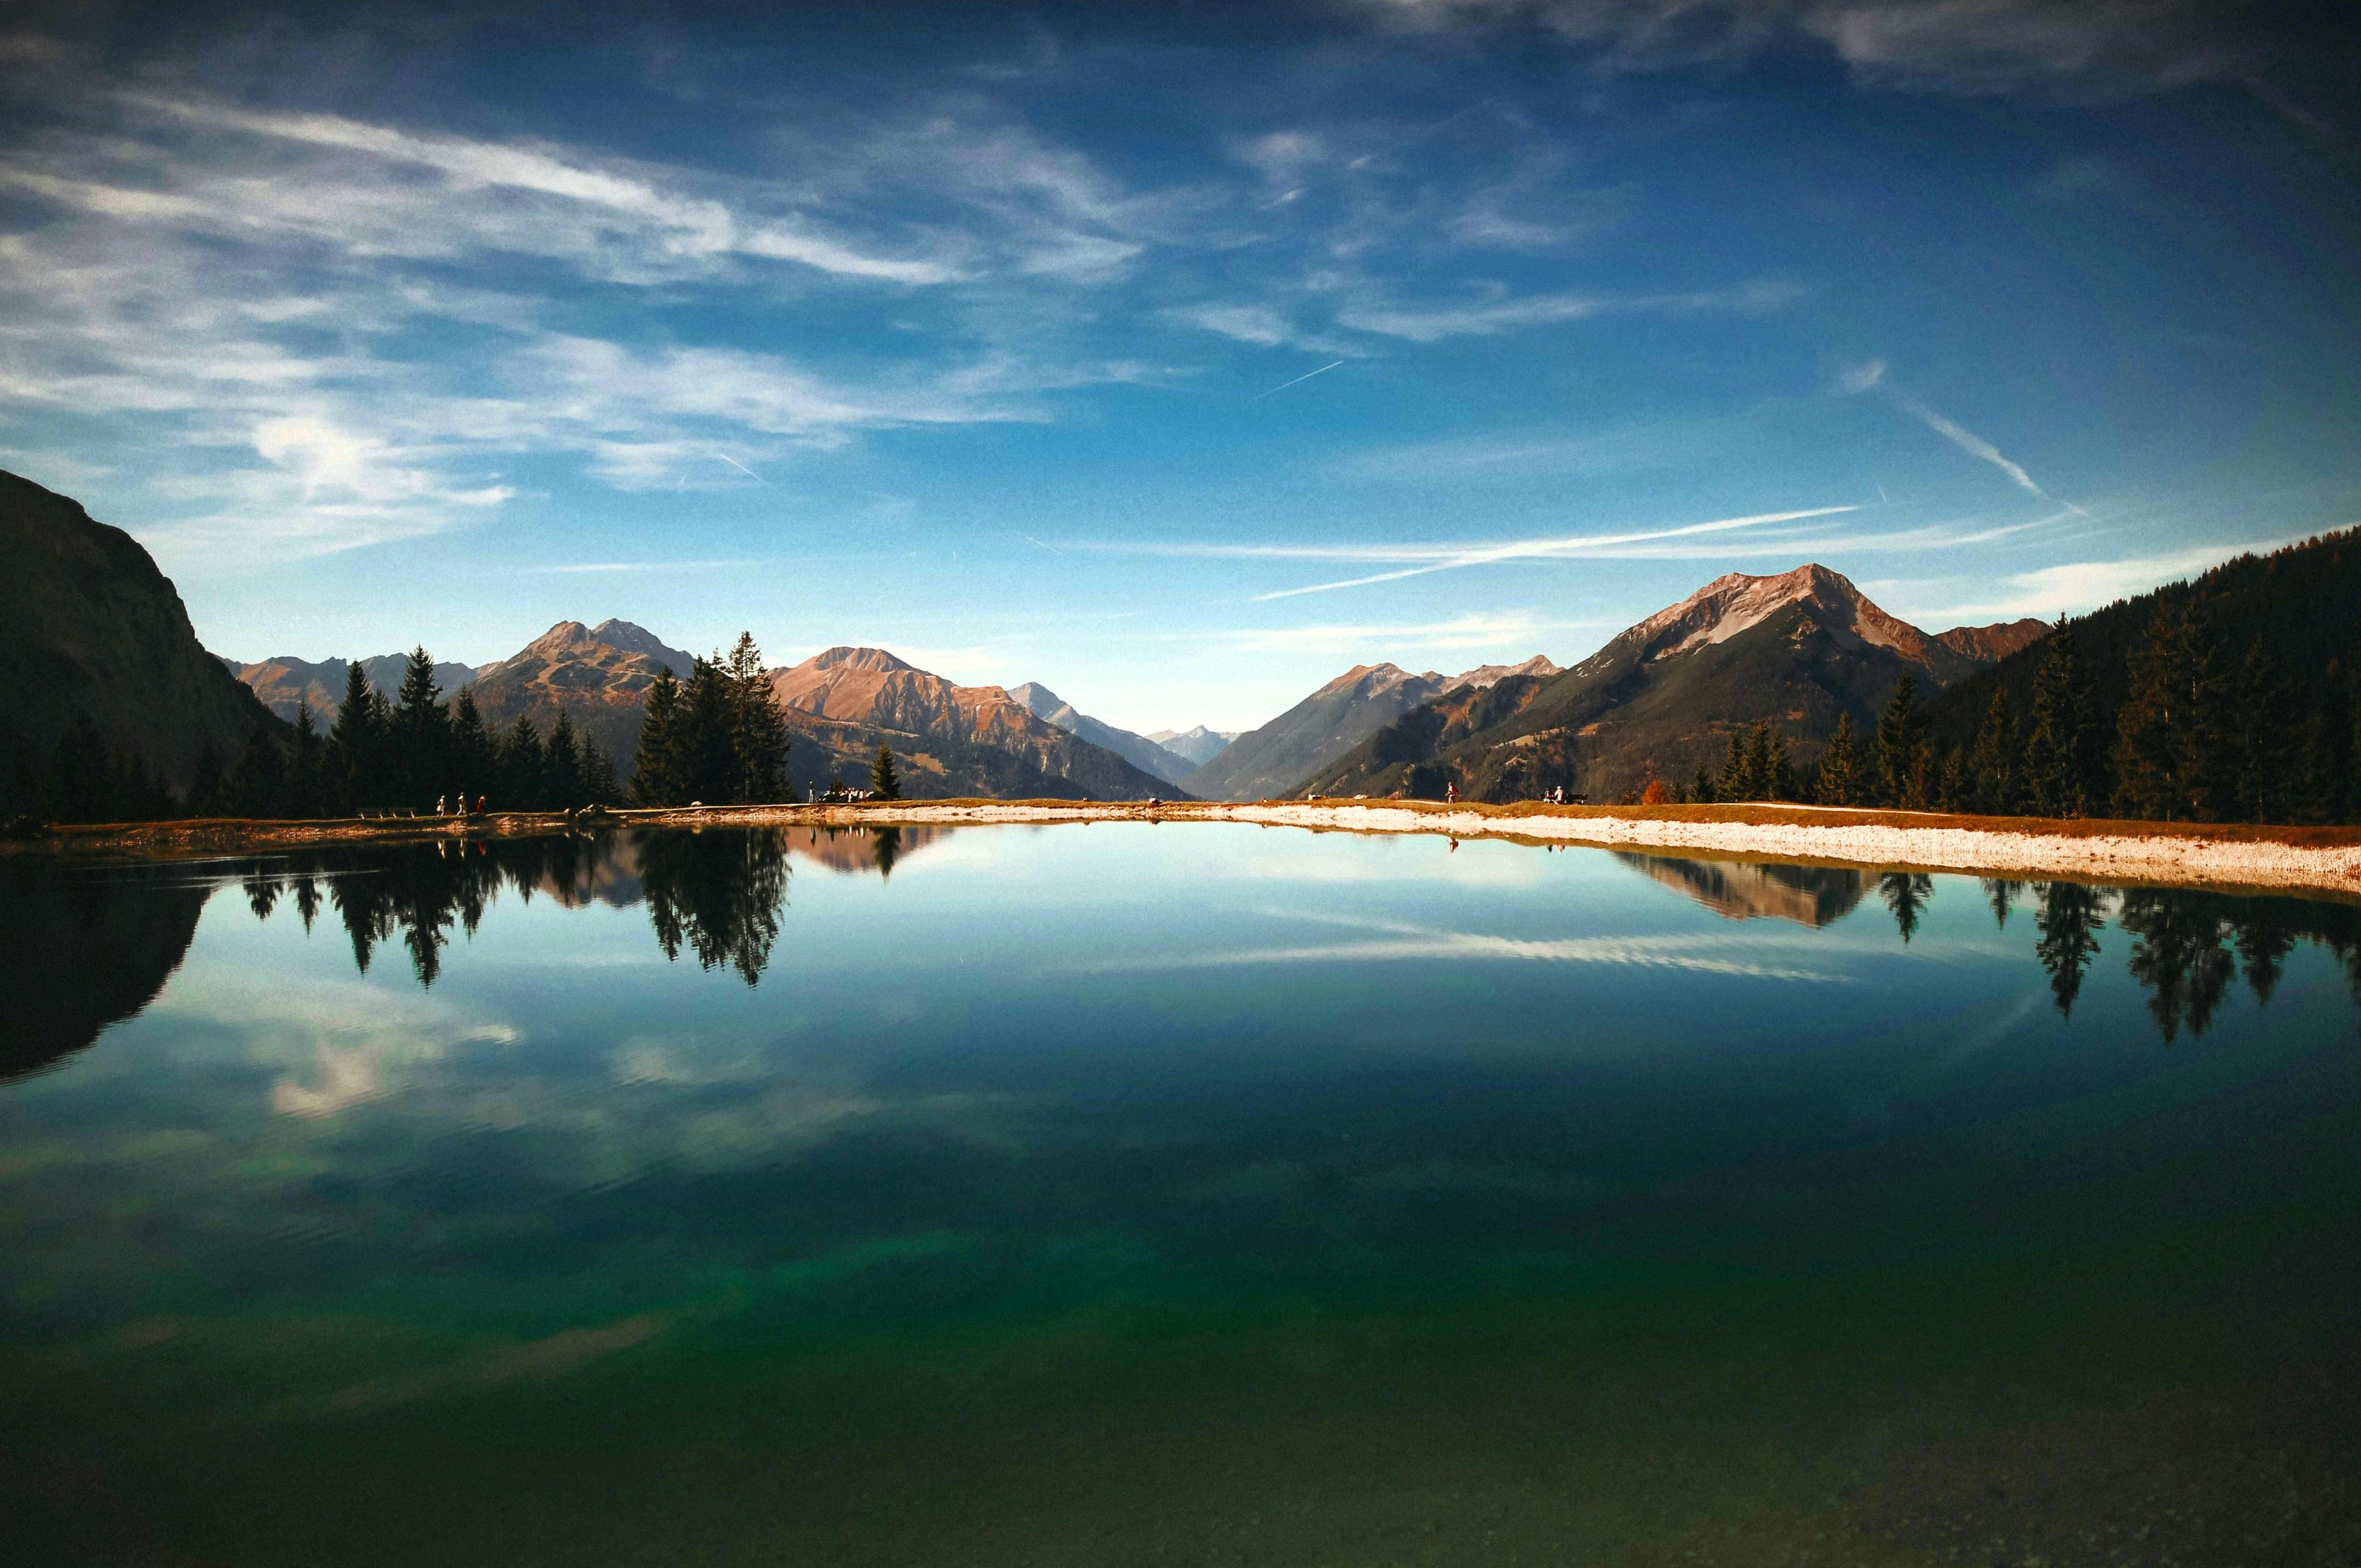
x=1277 y=758
x=598 y=676
x=1662 y=699
x=1991 y=644
x=1196 y=747
x=97 y=632
x=286 y=681
x=952 y=740
x=1137 y=749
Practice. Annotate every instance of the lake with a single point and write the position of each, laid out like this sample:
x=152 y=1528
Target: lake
x=1179 y=1194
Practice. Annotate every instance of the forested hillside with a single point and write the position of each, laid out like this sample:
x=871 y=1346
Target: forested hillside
x=2231 y=697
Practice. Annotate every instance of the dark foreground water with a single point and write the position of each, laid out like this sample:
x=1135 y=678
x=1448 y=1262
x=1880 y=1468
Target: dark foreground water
x=1168 y=1194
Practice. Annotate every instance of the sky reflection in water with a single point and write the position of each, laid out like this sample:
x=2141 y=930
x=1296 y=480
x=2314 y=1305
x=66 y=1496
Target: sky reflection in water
x=1074 y=1193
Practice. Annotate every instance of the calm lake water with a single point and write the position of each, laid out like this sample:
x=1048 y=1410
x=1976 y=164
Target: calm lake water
x=1191 y=1193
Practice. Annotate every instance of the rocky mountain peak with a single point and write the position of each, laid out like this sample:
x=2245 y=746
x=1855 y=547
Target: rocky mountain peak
x=876 y=661
x=1736 y=602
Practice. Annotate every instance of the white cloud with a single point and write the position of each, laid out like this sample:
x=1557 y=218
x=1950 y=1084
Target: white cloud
x=2079 y=585
x=1502 y=313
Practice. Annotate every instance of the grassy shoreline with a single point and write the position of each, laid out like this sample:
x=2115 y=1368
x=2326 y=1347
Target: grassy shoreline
x=2322 y=861
x=2226 y=855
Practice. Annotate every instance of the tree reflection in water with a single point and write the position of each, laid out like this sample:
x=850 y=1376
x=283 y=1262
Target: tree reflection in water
x=113 y=935
x=2069 y=920
x=722 y=892
x=1907 y=893
x=719 y=894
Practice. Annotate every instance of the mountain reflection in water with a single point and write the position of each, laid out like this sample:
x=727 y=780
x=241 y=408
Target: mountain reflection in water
x=82 y=948
x=1140 y=1195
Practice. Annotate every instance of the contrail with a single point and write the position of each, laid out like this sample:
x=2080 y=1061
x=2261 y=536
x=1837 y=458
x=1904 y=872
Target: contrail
x=1050 y=548
x=1297 y=383
x=1559 y=549
x=1975 y=446
x=741 y=468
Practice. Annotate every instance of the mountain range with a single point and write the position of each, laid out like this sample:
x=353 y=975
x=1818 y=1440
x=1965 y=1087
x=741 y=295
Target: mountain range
x=1662 y=699
x=950 y=739
x=1139 y=750
x=106 y=636
x=1196 y=747
x=1280 y=756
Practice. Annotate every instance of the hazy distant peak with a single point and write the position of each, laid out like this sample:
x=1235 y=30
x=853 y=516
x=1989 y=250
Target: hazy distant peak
x=1038 y=699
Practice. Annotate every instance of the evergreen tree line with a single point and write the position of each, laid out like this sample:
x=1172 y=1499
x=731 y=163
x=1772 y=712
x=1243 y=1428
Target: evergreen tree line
x=718 y=738
x=411 y=753
x=85 y=780
x=404 y=754
x=2200 y=737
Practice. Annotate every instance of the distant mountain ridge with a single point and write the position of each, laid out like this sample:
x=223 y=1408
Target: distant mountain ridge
x=284 y=682
x=1278 y=757
x=1661 y=699
x=1195 y=746
x=955 y=739
x=1137 y=749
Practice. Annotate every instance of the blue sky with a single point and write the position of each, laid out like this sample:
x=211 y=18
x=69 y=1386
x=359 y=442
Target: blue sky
x=1176 y=362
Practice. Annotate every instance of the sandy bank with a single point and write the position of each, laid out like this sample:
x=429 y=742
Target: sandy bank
x=2325 y=860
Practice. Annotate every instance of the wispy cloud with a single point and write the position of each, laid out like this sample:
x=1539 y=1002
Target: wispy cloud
x=1975 y=446
x=1504 y=313
x=1394 y=942
x=1571 y=547
x=2078 y=585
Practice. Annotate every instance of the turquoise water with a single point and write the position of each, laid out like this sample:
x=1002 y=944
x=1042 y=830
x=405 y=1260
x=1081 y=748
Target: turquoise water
x=1143 y=1193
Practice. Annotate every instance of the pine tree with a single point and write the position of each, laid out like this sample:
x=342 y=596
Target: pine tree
x=2329 y=734
x=708 y=728
x=305 y=762
x=2169 y=748
x=882 y=779
x=257 y=779
x=421 y=732
x=473 y=746
x=561 y=765
x=1741 y=770
x=353 y=744
x=1992 y=784
x=598 y=785
x=1778 y=771
x=1701 y=790
x=1903 y=771
x=758 y=730
x=655 y=769
x=2258 y=744
x=1838 y=781
x=2060 y=774
x=523 y=786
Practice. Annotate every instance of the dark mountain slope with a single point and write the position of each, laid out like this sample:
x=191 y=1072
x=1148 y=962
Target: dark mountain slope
x=2303 y=604
x=1662 y=699
x=1274 y=759
x=99 y=632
